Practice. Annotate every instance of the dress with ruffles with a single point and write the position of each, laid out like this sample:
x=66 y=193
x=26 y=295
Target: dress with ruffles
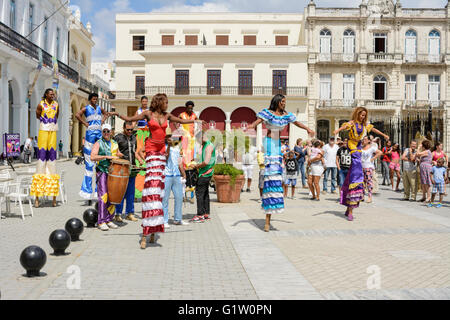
x=272 y=199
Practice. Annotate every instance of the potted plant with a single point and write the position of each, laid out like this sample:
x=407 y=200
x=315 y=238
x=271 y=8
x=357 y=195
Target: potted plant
x=229 y=182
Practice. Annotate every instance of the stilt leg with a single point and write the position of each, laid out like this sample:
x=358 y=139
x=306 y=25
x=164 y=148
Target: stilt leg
x=267 y=226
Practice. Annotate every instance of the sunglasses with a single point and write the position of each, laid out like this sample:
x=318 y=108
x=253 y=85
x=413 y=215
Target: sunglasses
x=106 y=131
x=129 y=130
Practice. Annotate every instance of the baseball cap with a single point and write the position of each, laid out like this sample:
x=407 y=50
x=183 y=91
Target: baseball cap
x=106 y=126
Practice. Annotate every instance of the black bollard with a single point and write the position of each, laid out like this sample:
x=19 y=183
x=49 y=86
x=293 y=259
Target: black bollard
x=96 y=206
x=59 y=240
x=74 y=227
x=90 y=216
x=33 y=258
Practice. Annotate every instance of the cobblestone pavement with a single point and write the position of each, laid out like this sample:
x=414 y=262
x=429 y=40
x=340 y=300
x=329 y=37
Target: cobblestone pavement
x=311 y=252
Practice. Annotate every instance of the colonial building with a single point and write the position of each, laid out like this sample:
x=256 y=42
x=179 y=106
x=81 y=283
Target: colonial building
x=229 y=64
x=393 y=60
x=21 y=44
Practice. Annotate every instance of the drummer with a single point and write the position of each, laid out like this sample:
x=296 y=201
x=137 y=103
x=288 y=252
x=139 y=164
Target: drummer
x=127 y=146
x=103 y=151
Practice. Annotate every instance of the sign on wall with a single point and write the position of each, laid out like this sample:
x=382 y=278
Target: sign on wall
x=11 y=144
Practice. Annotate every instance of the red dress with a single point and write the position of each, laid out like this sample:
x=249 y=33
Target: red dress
x=153 y=193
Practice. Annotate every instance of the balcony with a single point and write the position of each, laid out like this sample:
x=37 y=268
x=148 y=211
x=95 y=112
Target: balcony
x=380 y=104
x=380 y=57
x=214 y=91
x=22 y=44
x=337 y=58
x=336 y=104
x=422 y=104
x=424 y=59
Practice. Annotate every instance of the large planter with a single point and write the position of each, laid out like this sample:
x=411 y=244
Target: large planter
x=227 y=193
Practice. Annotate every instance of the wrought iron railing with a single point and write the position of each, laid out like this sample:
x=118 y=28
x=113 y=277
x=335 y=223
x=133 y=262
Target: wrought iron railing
x=337 y=103
x=227 y=90
x=22 y=44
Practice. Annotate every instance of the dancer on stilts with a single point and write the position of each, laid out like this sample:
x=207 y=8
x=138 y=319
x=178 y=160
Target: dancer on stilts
x=141 y=135
x=155 y=156
x=352 y=192
x=46 y=181
x=95 y=117
x=276 y=119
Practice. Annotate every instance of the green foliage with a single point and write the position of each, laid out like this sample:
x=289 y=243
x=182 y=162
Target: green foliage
x=228 y=170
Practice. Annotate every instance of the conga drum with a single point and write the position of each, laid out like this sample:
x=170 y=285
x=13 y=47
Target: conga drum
x=118 y=176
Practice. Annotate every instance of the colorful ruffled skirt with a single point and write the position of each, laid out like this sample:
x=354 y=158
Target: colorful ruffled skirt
x=46 y=181
x=141 y=136
x=352 y=192
x=272 y=198
x=152 y=209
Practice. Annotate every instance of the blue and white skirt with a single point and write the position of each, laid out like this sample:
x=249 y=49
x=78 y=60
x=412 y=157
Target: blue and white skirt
x=272 y=198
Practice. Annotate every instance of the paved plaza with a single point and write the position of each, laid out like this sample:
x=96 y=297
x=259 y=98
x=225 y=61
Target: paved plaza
x=392 y=250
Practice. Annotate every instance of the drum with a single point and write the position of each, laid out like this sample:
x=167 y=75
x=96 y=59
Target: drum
x=119 y=173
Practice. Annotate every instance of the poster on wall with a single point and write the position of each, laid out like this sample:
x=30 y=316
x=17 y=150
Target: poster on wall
x=11 y=144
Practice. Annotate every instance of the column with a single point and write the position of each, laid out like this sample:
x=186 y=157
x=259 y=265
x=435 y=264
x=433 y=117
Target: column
x=259 y=137
x=336 y=124
x=4 y=102
x=228 y=122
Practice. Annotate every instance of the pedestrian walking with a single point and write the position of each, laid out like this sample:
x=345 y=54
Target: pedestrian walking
x=385 y=163
x=276 y=118
x=410 y=172
x=330 y=150
x=127 y=142
x=369 y=154
x=353 y=188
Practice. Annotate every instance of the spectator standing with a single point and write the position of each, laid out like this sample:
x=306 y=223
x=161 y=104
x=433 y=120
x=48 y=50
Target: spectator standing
x=60 y=149
x=394 y=166
x=410 y=172
x=386 y=162
x=35 y=147
x=28 y=146
x=315 y=162
x=439 y=153
x=438 y=178
x=330 y=151
x=300 y=152
x=248 y=161
x=262 y=166
x=369 y=154
x=343 y=162
x=291 y=174
x=426 y=166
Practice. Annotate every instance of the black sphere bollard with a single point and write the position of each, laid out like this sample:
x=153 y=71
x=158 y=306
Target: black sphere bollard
x=59 y=240
x=33 y=258
x=74 y=227
x=90 y=216
x=96 y=206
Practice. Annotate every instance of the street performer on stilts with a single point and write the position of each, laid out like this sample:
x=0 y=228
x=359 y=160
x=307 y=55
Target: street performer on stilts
x=46 y=181
x=155 y=154
x=276 y=118
x=141 y=135
x=352 y=192
x=95 y=117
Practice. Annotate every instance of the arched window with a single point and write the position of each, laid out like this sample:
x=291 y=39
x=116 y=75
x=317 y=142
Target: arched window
x=410 y=46
x=325 y=45
x=380 y=87
x=74 y=53
x=434 y=50
x=349 y=44
x=83 y=59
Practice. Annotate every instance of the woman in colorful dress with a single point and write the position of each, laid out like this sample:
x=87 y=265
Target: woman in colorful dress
x=46 y=181
x=352 y=192
x=141 y=135
x=426 y=165
x=276 y=118
x=155 y=155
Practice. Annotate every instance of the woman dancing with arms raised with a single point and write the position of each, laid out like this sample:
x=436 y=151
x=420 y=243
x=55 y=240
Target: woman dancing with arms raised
x=155 y=151
x=352 y=192
x=275 y=118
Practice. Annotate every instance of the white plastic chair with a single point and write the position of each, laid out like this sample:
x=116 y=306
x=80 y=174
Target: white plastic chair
x=22 y=192
x=62 y=188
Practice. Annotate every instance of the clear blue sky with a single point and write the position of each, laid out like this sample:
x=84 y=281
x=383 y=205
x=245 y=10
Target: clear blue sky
x=101 y=13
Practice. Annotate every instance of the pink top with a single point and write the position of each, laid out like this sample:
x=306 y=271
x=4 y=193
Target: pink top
x=437 y=156
x=314 y=153
x=395 y=156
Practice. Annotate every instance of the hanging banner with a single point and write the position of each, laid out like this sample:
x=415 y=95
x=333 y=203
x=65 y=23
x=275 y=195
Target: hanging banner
x=11 y=144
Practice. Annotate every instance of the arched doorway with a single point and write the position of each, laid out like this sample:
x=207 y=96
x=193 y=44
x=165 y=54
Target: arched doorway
x=240 y=115
x=214 y=116
x=323 y=130
x=176 y=112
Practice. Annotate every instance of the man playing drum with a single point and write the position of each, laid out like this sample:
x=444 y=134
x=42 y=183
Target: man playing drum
x=103 y=151
x=127 y=146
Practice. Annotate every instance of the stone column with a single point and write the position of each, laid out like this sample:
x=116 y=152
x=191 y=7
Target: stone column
x=259 y=136
x=4 y=101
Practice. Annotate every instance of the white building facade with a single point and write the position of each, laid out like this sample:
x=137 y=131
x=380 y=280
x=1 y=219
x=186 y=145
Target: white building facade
x=393 y=60
x=229 y=64
x=19 y=60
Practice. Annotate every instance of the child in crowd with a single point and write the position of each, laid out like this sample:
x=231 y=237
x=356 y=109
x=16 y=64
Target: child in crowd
x=394 y=166
x=316 y=163
x=438 y=177
x=291 y=174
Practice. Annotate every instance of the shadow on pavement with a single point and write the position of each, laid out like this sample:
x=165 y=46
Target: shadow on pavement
x=339 y=214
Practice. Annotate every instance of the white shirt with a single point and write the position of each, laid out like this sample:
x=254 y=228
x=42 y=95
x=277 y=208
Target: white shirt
x=28 y=144
x=330 y=155
x=249 y=157
x=366 y=156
